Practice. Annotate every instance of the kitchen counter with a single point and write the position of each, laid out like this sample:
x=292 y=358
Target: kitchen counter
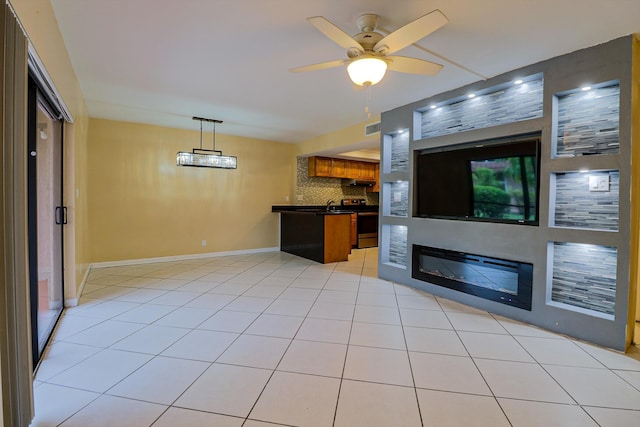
x=320 y=209
x=314 y=233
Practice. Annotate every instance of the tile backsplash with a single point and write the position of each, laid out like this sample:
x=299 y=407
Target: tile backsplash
x=317 y=191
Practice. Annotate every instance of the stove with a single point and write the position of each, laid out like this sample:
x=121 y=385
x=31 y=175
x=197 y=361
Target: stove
x=353 y=202
x=367 y=223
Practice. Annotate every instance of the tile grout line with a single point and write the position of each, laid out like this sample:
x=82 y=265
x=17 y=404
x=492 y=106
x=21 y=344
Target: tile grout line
x=404 y=337
x=493 y=394
x=346 y=353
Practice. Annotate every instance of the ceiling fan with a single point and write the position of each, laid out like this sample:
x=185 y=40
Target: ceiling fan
x=368 y=50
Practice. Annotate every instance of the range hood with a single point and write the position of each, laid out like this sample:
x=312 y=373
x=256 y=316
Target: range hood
x=348 y=182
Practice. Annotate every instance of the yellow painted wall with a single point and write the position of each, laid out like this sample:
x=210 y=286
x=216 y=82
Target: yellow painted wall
x=141 y=205
x=347 y=136
x=39 y=21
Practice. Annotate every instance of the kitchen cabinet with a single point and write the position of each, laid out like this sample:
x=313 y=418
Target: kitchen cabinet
x=376 y=186
x=353 y=170
x=320 y=166
x=367 y=171
x=340 y=168
x=354 y=229
x=319 y=236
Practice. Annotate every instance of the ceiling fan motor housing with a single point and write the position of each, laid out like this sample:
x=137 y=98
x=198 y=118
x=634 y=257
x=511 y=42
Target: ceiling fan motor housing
x=368 y=22
x=368 y=40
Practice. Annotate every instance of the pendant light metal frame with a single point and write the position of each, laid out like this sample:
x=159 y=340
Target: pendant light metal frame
x=205 y=158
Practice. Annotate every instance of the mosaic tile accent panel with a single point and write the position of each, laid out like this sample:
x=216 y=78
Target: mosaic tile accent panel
x=585 y=276
x=579 y=207
x=397 y=245
x=512 y=104
x=400 y=152
x=588 y=122
x=399 y=195
x=317 y=190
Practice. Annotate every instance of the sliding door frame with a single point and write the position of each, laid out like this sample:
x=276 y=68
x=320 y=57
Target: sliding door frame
x=15 y=345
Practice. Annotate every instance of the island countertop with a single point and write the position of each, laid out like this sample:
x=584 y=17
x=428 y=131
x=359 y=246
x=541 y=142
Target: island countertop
x=315 y=233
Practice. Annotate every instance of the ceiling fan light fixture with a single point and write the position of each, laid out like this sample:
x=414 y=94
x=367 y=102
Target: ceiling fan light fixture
x=367 y=71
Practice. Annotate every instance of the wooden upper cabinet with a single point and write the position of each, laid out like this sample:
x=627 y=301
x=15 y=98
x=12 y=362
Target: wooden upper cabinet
x=319 y=166
x=339 y=168
x=376 y=186
x=353 y=170
x=367 y=171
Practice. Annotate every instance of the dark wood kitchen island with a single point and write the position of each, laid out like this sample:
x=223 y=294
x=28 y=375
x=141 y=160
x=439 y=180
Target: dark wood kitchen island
x=316 y=234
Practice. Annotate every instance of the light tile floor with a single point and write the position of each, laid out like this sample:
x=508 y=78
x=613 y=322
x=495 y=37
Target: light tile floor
x=271 y=339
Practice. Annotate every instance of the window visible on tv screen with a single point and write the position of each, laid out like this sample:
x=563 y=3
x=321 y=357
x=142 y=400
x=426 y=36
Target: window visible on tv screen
x=504 y=188
x=490 y=182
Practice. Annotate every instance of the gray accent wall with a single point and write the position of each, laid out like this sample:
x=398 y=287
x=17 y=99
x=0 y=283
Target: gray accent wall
x=578 y=204
x=502 y=104
x=399 y=203
x=400 y=151
x=563 y=301
x=584 y=276
x=588 y=122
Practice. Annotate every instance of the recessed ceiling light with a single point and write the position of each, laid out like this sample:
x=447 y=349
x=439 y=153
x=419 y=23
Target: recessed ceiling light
x=472 y=95
x=433 y=106
x=583 y=170
x=517 y=82
x=585 y=88
x=400 y=131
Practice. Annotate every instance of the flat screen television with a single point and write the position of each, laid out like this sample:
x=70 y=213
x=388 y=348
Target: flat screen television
x=489 y=181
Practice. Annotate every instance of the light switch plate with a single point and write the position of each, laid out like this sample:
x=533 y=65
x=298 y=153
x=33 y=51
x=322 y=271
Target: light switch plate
x=598 y=182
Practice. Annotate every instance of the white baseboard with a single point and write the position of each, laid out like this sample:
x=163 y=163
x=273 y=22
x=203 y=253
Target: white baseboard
x=73 y=302
x=179 y=258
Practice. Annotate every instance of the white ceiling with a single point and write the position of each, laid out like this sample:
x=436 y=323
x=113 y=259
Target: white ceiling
x=164 y=61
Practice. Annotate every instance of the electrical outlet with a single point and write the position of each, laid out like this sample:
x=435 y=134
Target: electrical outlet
x=204 y=243
x=286 y=198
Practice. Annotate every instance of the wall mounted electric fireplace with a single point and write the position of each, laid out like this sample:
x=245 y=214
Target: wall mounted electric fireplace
x=504 y=281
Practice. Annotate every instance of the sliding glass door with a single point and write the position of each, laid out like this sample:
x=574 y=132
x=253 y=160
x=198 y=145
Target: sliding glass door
x=47 y=215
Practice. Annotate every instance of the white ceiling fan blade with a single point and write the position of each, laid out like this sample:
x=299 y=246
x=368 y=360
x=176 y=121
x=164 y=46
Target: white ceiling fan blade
x=413 y=65
x=320 y=66
x=412 y=32
x=334 y=33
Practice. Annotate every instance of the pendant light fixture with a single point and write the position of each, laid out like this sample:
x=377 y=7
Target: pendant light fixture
x=200 y=157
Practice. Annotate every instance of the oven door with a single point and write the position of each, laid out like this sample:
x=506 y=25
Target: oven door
x=367 y=229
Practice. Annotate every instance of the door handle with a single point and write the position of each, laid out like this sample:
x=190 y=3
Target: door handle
x=61 y=215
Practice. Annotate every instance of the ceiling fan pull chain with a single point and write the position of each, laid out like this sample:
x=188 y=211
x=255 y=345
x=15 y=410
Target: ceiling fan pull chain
x=368 y=101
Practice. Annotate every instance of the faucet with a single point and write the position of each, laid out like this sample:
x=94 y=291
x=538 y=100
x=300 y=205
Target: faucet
x=329 y=203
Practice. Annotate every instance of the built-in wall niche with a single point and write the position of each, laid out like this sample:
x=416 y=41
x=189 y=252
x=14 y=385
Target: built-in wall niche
x=510 y=102
x=584 y=278
x=396 y=200
x=588 y=121
x=397 y=143
x=394 y=245
x=588 y=199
